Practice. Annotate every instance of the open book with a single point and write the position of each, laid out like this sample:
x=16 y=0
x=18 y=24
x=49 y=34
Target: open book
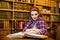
x=21 y=35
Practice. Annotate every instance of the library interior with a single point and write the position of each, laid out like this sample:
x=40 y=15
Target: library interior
x=15 y=13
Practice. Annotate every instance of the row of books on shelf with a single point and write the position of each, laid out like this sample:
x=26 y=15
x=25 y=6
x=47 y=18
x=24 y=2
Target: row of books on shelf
x=5 y=15
x=22 y=6
x=25 y=1
x=54 y=18
x=6 y=5
x=55 y=10
x=18 y=15
x=47 y=3
x=43 y=2
x=16 y=6
x=45 y=11
x=40 y=2
x=18 y=25
x=48 y=10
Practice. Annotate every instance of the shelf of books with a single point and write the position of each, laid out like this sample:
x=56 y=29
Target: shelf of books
x=13 y=12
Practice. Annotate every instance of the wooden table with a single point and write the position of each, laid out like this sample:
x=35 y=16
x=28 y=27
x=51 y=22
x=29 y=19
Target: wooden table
x=26 y=38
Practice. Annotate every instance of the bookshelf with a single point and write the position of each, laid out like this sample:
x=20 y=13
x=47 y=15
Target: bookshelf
x=14 y=11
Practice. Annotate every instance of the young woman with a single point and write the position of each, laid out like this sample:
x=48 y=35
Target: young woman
x=37 y=24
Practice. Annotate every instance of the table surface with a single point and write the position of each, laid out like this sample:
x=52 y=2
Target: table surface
x=6 y=38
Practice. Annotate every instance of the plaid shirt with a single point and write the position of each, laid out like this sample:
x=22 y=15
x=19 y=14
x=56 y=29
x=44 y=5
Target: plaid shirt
x=40 y=24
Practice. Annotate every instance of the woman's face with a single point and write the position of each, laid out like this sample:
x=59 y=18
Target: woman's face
x=34 y=15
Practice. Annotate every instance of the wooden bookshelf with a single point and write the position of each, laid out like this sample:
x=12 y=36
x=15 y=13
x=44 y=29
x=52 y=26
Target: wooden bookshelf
x=15 y=10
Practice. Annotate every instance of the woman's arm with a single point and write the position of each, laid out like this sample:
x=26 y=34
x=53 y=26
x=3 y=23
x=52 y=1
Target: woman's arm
x=26 y=26
x=43 y=27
